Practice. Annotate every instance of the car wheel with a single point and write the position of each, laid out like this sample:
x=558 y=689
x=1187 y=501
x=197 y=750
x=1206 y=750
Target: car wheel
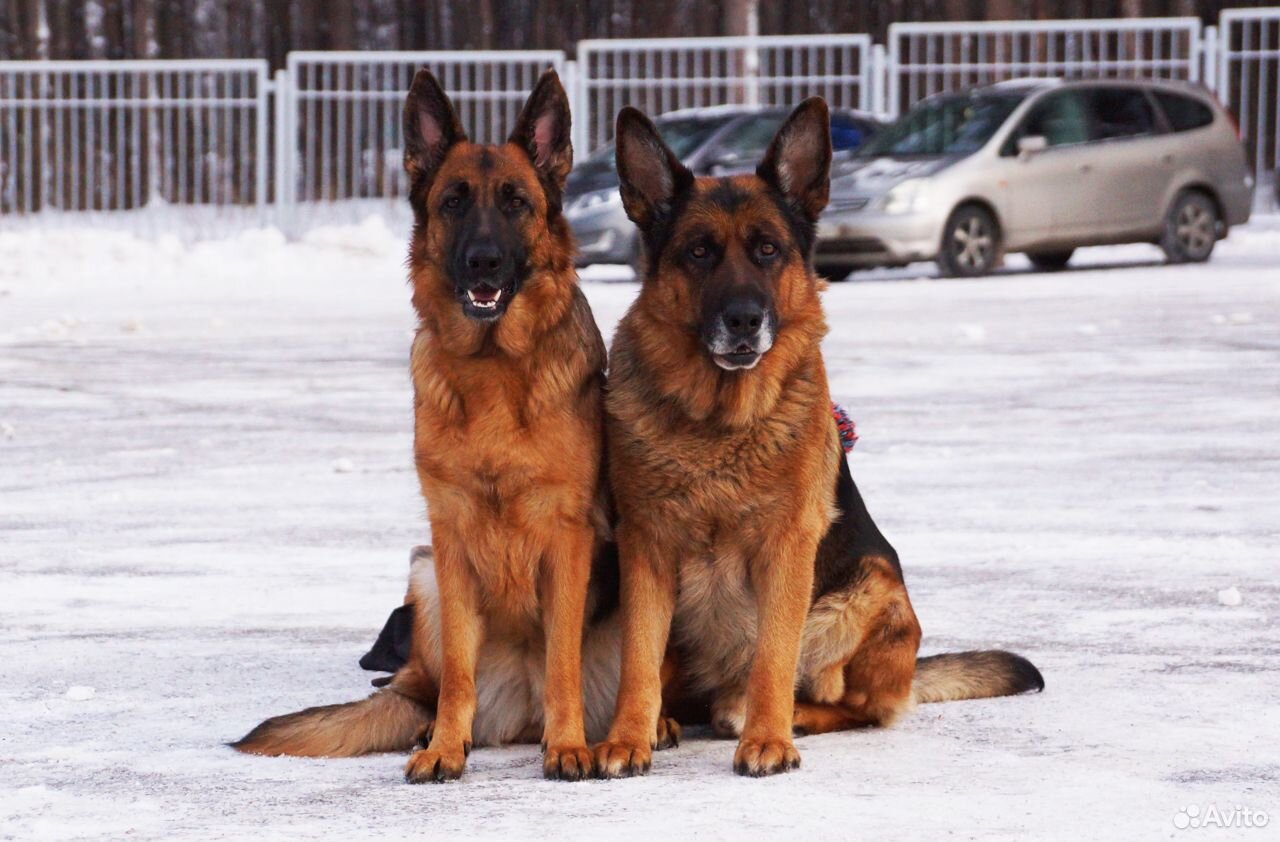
x=836 y=272
x=1050 y=261
x=1190 y=229
x=970 y=243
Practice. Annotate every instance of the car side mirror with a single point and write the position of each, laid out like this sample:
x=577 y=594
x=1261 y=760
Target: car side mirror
x=1032 y=144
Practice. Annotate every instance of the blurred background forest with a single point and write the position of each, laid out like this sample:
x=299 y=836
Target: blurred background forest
x=82 y=29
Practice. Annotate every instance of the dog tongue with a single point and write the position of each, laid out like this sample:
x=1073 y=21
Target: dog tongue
x=484 y=293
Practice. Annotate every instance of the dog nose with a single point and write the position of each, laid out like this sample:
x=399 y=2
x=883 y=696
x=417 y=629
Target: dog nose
x=742 y=318
x=484 y=257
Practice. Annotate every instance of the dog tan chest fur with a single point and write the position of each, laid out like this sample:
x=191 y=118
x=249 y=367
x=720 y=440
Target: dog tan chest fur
x=718 y=501
x=484 y=466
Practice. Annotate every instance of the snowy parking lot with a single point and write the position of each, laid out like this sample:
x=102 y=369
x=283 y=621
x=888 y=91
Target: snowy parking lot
x=207 y=502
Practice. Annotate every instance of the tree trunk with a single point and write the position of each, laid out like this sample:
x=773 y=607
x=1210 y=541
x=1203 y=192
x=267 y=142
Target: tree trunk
x=1001 y=10
x=279 y=34
x=486 y=24
x=741 y=17
x=341 y=25
x=113 y=27
x=36 y=30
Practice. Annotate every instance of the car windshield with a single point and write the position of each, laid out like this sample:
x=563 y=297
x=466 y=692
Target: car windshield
x=683 y=135
x=950 y=125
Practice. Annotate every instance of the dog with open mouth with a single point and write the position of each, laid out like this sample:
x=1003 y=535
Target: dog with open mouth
x=515 y=637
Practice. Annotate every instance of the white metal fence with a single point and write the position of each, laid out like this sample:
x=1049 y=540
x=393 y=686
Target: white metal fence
x=1248 y=80
x=666 y=74
x=126 y=135
x=129 y=135
x=340 y=115
x=928 y=58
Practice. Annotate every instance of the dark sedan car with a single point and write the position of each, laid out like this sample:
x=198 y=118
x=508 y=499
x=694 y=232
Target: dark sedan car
x=710 y=141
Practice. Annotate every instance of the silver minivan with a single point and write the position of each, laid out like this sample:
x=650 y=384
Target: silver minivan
x=1042 y=167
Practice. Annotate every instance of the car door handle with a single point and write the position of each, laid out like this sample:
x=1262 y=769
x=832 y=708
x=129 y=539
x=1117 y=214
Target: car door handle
x=1086 y=168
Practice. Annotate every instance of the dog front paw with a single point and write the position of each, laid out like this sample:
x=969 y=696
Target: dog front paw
x=668 y=733
x=758 y=758
x=422 y=738
x=567 y=763
x=729 y=716
x=437 y=765
x=622 y=759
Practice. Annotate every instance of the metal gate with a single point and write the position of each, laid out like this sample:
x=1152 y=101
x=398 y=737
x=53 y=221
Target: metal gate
x=204 y=137
x=929 y=58
x=667 y=74
x=340 y=115
x=1249 y=84
x=129 y=135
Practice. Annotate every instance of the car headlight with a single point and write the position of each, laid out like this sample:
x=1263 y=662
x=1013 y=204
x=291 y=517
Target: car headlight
x=597 y=199
x=905 y=197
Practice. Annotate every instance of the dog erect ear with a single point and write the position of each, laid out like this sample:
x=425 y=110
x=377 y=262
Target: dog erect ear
x=431 y=126
x=543 y=130
x=649 y=174
x=798 y=162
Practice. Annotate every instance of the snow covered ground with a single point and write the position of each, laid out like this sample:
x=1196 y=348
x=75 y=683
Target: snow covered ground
x=207 y=502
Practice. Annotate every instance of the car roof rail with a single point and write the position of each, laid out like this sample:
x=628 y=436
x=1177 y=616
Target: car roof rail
x=1027 y=82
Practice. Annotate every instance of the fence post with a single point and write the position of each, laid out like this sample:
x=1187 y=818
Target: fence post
x=284 y=143
x=1196 y=71
x=260 y=144
x=572 y=86
x=892 y=72
x=751 y=68
x=879 y=80
x=580 y=98
x=1210 y=54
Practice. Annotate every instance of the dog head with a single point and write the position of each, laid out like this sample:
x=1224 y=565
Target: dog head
x=731 y=254
x=482 y=211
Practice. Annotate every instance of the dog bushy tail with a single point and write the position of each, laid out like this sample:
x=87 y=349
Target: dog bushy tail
x=979 y=674
x=389 y=720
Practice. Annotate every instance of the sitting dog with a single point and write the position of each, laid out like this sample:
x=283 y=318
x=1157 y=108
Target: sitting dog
x=508 y=371
x=743 y=541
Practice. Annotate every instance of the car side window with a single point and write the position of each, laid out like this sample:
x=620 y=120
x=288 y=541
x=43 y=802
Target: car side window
x=1184 y=113
x=746 y=140
x=847 y=133
x=1061 y=118
x=1121 y=113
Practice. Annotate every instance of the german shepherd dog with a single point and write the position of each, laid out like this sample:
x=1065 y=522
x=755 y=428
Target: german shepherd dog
x=508 y=373
x=743 y=541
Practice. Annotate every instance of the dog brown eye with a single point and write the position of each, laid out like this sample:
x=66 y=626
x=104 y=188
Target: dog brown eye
x=452 y=203
x=698 y=252
x=517 y=202
x=768 y=249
